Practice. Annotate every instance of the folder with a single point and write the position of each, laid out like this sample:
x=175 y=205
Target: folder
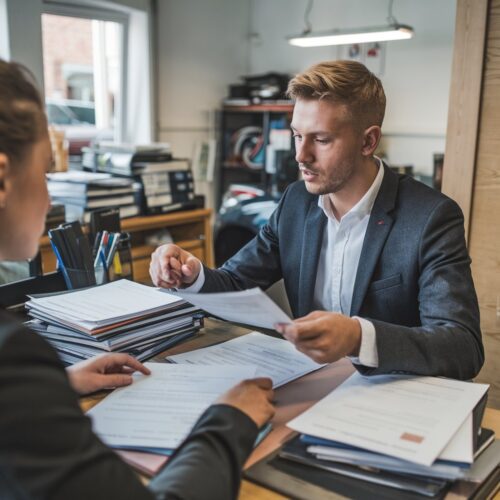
x=304 y=480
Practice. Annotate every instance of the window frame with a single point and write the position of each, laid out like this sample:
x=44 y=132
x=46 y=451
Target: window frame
x=102 y=14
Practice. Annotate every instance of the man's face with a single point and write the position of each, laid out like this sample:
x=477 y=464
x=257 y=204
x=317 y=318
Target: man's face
x=327 y=143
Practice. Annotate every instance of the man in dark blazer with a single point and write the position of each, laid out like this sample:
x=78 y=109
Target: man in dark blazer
x=374 y=263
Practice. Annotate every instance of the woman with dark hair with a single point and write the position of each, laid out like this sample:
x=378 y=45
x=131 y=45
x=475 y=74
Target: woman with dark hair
x=47 y=447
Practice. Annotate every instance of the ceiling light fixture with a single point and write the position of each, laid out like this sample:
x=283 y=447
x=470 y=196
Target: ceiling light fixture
x=392 y=31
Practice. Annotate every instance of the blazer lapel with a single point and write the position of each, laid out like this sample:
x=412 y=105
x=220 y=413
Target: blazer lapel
x=379 y=227
x=312 y=239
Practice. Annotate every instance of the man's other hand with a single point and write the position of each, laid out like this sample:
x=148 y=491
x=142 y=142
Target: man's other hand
x=173 y=267
x=324 y=336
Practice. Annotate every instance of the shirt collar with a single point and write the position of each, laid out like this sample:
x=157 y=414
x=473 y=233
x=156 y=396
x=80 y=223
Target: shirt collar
x=364 y=205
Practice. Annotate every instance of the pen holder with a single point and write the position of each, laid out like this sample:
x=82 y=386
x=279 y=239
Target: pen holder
x=81 y=278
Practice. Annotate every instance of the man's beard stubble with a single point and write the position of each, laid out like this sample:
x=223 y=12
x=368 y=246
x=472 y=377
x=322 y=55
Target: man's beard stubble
x=331 y=187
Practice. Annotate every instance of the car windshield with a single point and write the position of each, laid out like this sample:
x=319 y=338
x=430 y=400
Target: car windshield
x=84 y=114
x=59 y=114
x=70 y=113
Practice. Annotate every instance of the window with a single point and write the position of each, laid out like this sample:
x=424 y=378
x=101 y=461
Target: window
x=83 y=68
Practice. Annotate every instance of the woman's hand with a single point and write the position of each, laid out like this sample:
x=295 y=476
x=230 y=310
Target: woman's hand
x=253 y=397
x=105 y=371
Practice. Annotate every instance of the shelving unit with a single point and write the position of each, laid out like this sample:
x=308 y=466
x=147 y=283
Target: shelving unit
x=190 y=230
x=231 y=168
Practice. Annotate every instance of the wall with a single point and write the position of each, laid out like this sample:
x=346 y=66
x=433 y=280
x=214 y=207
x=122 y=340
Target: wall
x=484 y=235
x=202 y=47
x=24 y=36
x=417 y=72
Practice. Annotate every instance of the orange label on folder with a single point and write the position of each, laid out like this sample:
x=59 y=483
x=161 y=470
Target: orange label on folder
x=414 y=438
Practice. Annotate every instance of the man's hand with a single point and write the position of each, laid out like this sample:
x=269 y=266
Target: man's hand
x=173 y=267
x=324 y=336
x=105 y=371
x=252 y=397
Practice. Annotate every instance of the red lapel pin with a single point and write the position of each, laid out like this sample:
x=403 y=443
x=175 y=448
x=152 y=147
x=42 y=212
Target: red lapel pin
x=380 y=222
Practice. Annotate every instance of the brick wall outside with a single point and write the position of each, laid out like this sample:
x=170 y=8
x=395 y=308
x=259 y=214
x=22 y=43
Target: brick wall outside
x=65 y=40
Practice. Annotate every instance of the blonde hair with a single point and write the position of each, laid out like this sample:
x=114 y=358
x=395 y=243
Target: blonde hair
x=344 y=82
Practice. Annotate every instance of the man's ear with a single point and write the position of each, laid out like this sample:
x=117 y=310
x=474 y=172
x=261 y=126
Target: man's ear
x=371 y=140
x=4 y=179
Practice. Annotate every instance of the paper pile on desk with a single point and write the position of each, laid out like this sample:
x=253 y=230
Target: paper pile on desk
x=407 y=425
x=121 y=316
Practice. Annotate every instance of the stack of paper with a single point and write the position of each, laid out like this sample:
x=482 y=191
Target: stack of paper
x=81 y=192
x=121 y=316
x=410 y=427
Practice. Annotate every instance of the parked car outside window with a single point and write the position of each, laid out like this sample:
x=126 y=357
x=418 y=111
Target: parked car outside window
x=77 y=120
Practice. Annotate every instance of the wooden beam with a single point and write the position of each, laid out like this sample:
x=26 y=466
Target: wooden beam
x=464 y=103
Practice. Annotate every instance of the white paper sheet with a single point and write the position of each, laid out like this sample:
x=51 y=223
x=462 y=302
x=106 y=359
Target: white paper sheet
x=408 y=417
x=461 y=445
x=159 y=410
x=250 y=307
x=116 y=300
x=274 y=358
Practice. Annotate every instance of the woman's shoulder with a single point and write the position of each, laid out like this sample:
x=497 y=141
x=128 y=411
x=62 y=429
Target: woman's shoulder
x=9 y=326
x=19 y=344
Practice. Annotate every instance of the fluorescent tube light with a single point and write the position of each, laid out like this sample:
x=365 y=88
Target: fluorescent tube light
x=348 y=37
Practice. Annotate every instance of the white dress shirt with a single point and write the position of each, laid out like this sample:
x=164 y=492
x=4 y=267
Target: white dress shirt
x=338 y=265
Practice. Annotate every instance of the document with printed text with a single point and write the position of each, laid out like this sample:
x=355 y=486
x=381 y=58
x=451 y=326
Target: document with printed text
x=408 y=417
x=159 y=410
x=274 y=358
x=250 y=307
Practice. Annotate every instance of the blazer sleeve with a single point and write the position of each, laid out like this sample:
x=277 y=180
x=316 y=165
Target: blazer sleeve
x=448 y=341
x=209 y=463
x=257 y=264
x=48 y=449
x=45 y=440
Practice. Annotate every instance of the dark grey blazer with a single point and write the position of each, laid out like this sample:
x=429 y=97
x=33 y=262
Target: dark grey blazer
x=48 y=449
x=413 y=280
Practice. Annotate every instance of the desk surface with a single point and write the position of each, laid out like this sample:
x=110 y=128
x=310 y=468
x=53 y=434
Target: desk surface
x=313 y=387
